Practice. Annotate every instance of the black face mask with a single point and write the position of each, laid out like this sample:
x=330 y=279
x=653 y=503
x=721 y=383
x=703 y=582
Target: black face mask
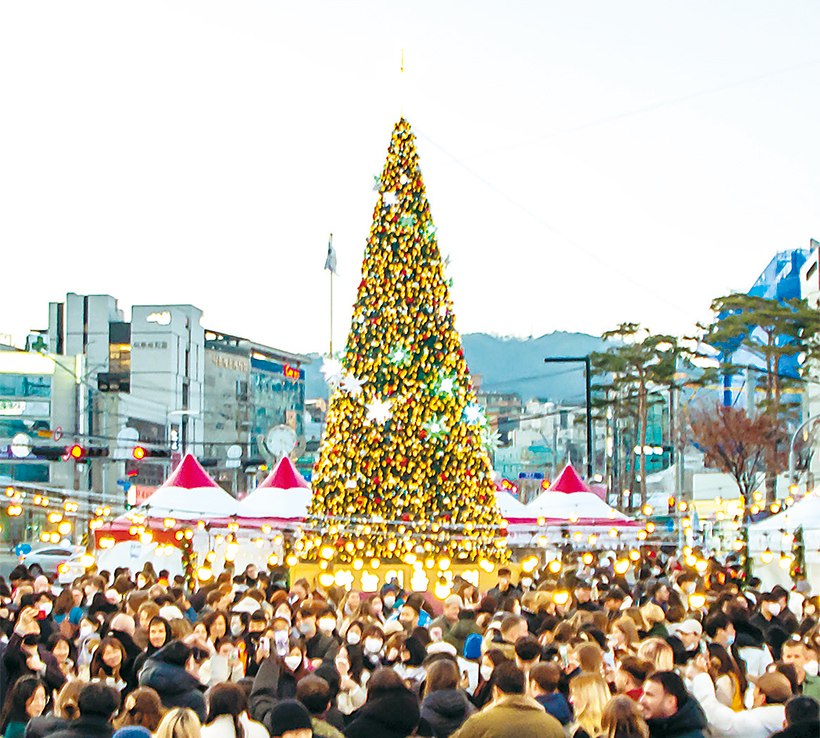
x=32 y=639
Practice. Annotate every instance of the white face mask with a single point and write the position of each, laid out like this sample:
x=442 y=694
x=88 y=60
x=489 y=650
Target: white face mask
x=486 y=672
x=327 y=625
x=305 y=627
x=730 y=640
x=389 y=602
x=293 y=662
x=47 y=606
x=353 y=638
x=774 y=609
x=237 y=628
x=372 y=645
x=810 y=668
x=86 y=631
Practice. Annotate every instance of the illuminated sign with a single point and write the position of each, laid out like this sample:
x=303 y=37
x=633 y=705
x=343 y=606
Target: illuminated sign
x=291 y=372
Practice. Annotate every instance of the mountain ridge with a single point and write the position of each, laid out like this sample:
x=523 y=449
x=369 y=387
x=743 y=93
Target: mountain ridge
x=510 y=364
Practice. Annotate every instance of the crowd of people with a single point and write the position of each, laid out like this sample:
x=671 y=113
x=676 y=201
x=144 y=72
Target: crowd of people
x=588 y=654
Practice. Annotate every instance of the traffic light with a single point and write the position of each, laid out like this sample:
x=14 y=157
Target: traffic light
x=49 y=453
x=82 y=453
x=140 y=453
x=671 y=503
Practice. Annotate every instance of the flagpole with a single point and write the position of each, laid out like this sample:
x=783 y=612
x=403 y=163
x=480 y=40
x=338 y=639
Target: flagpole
x=331 y=307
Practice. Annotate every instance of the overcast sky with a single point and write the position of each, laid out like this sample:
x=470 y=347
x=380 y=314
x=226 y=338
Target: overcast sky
x=586 y=162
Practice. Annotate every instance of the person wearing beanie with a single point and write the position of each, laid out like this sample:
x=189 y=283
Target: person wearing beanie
x=132 y=731
x=449 y=617
x=290 y=719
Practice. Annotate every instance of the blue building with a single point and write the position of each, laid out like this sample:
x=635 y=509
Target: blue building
x=780 y=280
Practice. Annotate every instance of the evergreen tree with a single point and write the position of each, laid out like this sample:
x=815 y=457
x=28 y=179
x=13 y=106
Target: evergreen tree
x=771 y=330
x=402 y=472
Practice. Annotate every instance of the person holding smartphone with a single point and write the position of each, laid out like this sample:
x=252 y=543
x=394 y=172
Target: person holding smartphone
x=26 y=656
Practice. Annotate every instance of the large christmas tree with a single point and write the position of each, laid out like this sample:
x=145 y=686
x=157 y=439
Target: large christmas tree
x=402 y=471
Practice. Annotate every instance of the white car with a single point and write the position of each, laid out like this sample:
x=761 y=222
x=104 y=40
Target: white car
x=57 y=561
x=73 y=567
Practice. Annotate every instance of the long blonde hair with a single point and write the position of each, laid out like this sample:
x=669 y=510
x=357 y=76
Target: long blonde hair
x=658 y=653
x=631 y=637
x=181 y=722
x=589 y=694
x=622 y=716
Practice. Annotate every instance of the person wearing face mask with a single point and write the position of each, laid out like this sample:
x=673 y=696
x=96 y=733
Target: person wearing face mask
x=768 y=613
x=388 y=595
x=794 y=652
x=352 y=693
x=484 y=691
x=372 y=645
x=316 y=624
x=256 y=627
x=685 y=640
x=25 y=656
x=353 y=635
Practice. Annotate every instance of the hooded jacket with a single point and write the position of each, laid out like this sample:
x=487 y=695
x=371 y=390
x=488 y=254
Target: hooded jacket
x=759 y=722
x=445 y=710
x=392 y=714
x=688 y=722
x=165 y=673
x=466 y=625
x=556 y=705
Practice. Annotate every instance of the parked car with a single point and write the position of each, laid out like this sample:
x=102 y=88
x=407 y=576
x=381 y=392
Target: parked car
x=46 y=559
x=74 y=567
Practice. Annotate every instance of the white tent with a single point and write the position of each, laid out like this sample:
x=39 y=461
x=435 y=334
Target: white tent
x=188 y=494
x=585 y=506
x=769 y=533
x=512 y=509
x=775 y=534
x=284 y=495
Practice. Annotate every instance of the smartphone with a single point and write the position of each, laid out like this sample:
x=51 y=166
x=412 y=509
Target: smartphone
x=562 y=650
x=281 y=639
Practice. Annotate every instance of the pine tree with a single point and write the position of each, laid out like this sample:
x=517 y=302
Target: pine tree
x=402 y=472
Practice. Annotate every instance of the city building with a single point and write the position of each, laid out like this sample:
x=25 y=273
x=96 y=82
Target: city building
x=95 y=380
x=249 y=390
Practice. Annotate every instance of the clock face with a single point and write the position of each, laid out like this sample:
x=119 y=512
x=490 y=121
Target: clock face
x=281 y=440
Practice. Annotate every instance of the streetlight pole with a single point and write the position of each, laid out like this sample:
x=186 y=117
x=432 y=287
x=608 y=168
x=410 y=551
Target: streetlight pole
x=586 y=362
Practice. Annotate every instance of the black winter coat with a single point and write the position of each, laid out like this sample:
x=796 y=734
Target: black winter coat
x=86 y=727
x=445 y=710
x=392 y=714
x=800 y=730
x=45 y=725
x=174 y=685
x=688 y=722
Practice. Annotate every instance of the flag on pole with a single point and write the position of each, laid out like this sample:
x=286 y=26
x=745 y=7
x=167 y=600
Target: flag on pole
x=330 y=262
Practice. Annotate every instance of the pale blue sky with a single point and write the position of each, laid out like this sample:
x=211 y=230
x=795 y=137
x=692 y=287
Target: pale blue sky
x=586 y=162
